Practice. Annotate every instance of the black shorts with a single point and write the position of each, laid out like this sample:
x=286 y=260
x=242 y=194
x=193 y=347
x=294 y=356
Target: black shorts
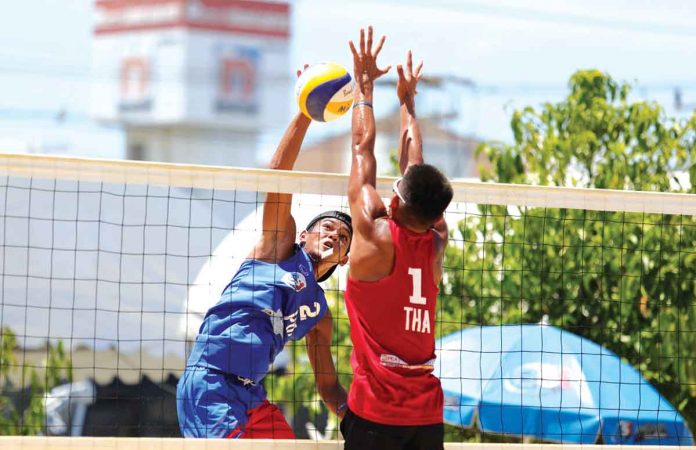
x=361 y=434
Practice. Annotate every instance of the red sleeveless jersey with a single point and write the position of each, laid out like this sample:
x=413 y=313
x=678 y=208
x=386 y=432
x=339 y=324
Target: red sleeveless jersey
x=392 y=324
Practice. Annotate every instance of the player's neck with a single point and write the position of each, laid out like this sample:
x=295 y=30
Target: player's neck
x=320 y=268
x=405 y=221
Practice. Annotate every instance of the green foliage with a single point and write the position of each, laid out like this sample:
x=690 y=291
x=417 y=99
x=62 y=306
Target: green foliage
x=624 y=280
x=596 y=137
x=8 y=361
x=55 y=370
x=394 y=169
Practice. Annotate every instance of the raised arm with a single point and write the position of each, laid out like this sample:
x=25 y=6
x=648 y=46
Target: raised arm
x=319 y=352
x=410 y=141
x=365 y=203
x=411 y=144
x=278 y=235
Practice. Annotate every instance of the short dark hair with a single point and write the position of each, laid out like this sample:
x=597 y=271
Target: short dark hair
x=427 y=192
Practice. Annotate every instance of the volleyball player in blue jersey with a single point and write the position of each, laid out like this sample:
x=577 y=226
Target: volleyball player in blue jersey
x=273 y=298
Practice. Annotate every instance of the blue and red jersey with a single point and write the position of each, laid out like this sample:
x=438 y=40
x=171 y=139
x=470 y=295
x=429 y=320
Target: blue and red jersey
x=261 y=309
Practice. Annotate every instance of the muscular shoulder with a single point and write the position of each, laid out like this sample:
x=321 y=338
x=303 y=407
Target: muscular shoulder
x=275 y=245
x=372 y=258
x=382 y=232
x=379 y=236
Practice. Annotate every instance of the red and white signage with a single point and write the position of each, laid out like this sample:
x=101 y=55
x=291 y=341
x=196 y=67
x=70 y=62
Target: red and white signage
x=202 y=64
x=252 y=17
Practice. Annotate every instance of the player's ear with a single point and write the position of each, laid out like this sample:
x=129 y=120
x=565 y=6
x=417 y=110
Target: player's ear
x=343 y=260
x=303 y=237
x=394 y=202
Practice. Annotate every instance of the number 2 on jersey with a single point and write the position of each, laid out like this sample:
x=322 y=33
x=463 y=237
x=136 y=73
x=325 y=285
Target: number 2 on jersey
x=417 y=277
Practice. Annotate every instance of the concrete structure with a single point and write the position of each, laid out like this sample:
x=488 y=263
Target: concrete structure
x=192 y=81
x=452 y=153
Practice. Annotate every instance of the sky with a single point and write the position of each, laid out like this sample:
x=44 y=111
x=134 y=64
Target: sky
x=515 y=53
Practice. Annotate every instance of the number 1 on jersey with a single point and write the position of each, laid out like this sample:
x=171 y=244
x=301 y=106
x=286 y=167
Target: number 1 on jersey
x=417 y=319
x=417 y=276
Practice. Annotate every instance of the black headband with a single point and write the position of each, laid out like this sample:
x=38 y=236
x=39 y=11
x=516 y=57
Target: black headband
x=338 y=215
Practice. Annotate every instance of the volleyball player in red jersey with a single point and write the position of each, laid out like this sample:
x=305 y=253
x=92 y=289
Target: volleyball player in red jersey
x=395 y=402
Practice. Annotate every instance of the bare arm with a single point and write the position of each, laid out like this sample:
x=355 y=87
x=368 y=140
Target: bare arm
x=441 y=241
x=278 y=235
x=365 y=203
x=410 y=141
x=411 y=145
x=319 y=351
x=371 y=250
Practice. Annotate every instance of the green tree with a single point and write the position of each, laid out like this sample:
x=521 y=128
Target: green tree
x=8 y=362
x=55 y=370
x=624 y=280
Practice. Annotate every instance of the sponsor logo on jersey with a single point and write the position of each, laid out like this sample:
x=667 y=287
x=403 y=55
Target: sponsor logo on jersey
x=276 y=320
x=295 y=280
x=394 y=361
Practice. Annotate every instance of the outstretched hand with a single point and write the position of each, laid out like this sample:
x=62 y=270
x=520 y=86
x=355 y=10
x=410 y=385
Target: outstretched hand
x=365 y=59
x=408 y=81
x=301 y=71
x=301 y=116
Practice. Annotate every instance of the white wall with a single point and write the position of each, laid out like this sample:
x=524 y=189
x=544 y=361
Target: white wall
x=193 y=146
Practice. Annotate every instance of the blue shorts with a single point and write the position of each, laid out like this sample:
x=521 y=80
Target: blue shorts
x=211 y=404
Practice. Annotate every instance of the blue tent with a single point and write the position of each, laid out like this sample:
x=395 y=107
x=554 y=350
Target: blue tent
x=542 y=382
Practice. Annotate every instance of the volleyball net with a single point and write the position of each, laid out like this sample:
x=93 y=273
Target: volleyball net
x=564 y=315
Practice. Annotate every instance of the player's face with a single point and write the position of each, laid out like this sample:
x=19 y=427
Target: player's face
x=329 y=240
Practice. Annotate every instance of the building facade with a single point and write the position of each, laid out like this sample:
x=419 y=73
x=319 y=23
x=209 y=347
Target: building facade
x=191 y=81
